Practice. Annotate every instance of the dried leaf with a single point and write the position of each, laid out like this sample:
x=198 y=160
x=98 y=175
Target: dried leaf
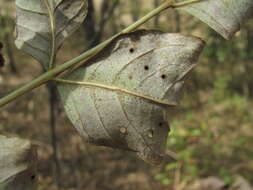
x=224 y=16
x=17 y=164
x=43 y=25
x=124 y=92
x=240 y=183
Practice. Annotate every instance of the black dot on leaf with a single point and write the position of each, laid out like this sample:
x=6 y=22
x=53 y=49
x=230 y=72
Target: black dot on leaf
x=146 y=67
x=131 y=50
x=163 y=76
x=160 y=124
x=33 y=177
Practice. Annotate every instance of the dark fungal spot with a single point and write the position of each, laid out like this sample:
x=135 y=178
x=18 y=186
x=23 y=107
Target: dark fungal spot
x=131 y=50
x=33 y=177
x=163 y=76
x=146 y=67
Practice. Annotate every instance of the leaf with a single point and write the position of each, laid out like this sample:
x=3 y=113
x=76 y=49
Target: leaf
x=120 y=96
x=224 y=16
x=17 y=164
x=43 y=25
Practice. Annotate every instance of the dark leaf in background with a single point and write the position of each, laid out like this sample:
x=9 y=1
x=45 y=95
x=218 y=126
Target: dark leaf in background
x=42 y=26
x=126 y=90
x=224 y=16
x=1 y=56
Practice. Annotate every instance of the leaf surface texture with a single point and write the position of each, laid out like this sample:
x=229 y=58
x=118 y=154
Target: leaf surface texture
x=18 y=161
x=43 y=25
x=120 y=97
x=224 y=16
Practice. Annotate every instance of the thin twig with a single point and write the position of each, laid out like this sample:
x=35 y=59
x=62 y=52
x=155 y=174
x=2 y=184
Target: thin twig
x=107 y=13
x=53 y=107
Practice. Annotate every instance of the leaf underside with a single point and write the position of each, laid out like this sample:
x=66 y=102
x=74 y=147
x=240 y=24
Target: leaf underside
x=124 y=91
x=224 y=16
x=43 y=25
x=17 y=164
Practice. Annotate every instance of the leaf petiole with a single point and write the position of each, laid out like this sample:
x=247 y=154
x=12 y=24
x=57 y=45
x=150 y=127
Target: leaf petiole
x=52 y=26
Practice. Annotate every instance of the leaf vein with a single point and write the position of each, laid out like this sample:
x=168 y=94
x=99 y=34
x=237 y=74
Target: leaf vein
x=79 y=117
x=114 y=88
x=100 y=118
x=133 y=126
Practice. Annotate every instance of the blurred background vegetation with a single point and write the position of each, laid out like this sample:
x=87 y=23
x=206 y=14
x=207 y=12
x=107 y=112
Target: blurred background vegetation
x=211 y=139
